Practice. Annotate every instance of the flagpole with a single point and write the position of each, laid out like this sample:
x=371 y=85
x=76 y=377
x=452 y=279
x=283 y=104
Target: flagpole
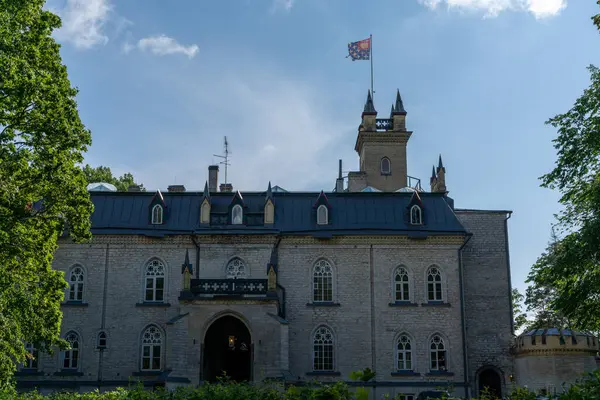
x=371 y=57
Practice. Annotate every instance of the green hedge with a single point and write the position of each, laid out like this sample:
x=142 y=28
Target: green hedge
x=588 y=388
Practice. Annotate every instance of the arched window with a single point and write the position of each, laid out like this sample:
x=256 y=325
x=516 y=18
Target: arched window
x=237 y=215
x=401 y=285
x=386 y=166
x=404 y=353
x=32 y=358
x=434 y=284
x=322 y=215
x=438 y=354
x=76 y=281
x=416 y=215
x=236 y=269
x=157 y=214
x=101 y=340
x=322 y=282
x=71 y=356
x=152 y=341
x=155 y=281
x=323 y=349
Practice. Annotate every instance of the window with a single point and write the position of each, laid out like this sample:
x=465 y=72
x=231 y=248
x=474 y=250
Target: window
x=102 y=340
x=323 y=349
x=322 y=215
x=416 y=217
x=71 y=356
x=434 y=284
x=236 y=269
x=237 y=215
x=76 y=278
x=401 y=284
x=386 y=166
x=157 y=214
x=322 y=282
x=404 y=353
x=155 y=280
x=438 y=354
x=151 y=349
x=32 y=358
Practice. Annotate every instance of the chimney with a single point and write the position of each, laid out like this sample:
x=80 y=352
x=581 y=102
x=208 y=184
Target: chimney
x=134 y=188
x=176 y=188
x=213 y=178
x=226 y=187
x=339 y=183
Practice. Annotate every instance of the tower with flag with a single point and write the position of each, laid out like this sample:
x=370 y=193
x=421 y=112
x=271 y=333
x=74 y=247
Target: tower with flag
x=362 y=50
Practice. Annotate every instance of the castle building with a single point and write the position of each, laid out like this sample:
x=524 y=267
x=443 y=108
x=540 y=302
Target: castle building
x=178 y=287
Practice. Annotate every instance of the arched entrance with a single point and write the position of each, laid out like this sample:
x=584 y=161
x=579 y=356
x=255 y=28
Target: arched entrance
x=490 y=379
x=227 y=350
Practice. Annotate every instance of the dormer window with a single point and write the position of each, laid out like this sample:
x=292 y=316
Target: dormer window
x=386 y=166
x=322 y=215
x=157 y=214
x=416 y=215
x=237 y=215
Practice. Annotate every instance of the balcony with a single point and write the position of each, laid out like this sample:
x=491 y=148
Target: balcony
x=228 y=287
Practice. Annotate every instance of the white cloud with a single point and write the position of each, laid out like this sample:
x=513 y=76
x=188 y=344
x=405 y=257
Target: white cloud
x=162 y=45
x=285 y=5
x=539 y=8
x=83 y=22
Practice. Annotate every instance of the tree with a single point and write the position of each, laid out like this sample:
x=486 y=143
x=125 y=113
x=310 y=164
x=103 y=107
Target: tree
x=518 y=314
x=42 y=190
x=104 y=174
x=571 y=266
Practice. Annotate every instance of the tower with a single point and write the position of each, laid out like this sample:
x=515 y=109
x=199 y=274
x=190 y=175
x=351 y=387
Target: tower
x=381 y=146
x=438 y=178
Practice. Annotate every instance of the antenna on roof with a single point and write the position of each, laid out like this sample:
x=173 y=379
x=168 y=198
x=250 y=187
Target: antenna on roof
x=225 y=157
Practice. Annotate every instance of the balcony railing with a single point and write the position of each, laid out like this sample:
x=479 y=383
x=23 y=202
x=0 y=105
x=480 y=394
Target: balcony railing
x=228 y=286
x=384 y=124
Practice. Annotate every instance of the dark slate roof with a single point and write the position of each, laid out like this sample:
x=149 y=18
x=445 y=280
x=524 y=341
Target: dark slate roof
x=295 y=214
x=554 y=332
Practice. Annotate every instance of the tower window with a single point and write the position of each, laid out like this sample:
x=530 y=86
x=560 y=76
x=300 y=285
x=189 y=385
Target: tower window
x=237 y=215
x=101 y=340
x=386 y=166
x=416 y=215
x=322 y=215
x=157 y=214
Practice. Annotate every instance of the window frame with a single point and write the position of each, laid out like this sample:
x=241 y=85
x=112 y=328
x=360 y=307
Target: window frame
x=439 y=284
x=405 y=285
x=405 y=352
x=99 y=337
x=153 y=288
x=319 y=362
x=389 y=165
x=157 y=218
x=326 y=281
x=31 y=364
x=74 y=353
x=152 y=348
x=246 y=270
x=439 y=367
x=320 y=220
x=419 y=211
x=78 y=286
x=241 y=215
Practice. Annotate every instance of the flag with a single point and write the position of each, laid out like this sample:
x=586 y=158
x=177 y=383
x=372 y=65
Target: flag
x=360 y=50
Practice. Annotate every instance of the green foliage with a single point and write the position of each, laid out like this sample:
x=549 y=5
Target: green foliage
x=42 y=190
x=518 y=314
x=104 y=174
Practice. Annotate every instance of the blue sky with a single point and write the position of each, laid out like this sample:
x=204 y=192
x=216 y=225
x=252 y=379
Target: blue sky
x=162 y=82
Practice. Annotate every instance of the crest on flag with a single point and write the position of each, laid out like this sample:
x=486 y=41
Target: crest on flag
x=360 y=50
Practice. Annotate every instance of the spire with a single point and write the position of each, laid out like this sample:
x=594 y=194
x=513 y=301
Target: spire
x=206 y=191
x=399 y=106
x=269 y=195
x=186 y=266
x=433 y=172
x=440 y=164
x=186 y=261
x=369 y=107
x=392 y=112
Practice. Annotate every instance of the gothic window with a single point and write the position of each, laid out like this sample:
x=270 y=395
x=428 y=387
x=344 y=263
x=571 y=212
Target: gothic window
x=101 y=340
x=416 y=215
x=401 y=285
x=322 y=282
x=404 y=353
x=71 y=356
x=155 y=281
x=438 y=354
x=236 y=269
x=434 y=284
x=76 y=280
x=237 y=215
x=157 y=214
x=386 y=166
x=152 y=341
x=32 y=358
x=322 y=215
x=323 y=349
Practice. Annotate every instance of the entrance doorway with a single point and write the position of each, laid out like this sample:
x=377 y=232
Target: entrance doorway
x=491 y=380
x=227 y=350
